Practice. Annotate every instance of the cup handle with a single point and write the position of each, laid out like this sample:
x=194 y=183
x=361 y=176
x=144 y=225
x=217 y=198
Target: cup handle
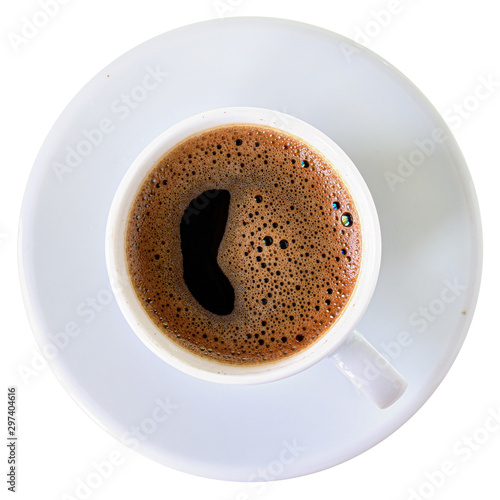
x=369 y=371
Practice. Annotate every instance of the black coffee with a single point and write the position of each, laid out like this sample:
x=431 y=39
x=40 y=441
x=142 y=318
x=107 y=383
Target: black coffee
x=243 y=244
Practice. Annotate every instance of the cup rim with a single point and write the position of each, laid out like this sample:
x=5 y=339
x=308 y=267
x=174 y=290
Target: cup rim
x=136 y=316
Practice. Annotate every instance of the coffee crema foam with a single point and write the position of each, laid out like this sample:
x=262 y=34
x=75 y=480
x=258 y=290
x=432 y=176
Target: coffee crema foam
x=291 y=246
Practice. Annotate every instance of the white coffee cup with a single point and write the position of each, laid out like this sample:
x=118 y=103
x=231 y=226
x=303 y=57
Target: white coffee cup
x=347 y=348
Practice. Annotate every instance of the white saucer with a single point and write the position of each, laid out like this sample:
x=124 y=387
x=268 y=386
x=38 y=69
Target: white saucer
x=428 y=283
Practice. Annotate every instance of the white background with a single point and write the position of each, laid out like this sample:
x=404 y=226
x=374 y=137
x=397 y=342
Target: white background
x=444 y=47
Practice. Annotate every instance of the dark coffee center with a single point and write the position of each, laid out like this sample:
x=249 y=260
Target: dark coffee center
x=202 y=228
